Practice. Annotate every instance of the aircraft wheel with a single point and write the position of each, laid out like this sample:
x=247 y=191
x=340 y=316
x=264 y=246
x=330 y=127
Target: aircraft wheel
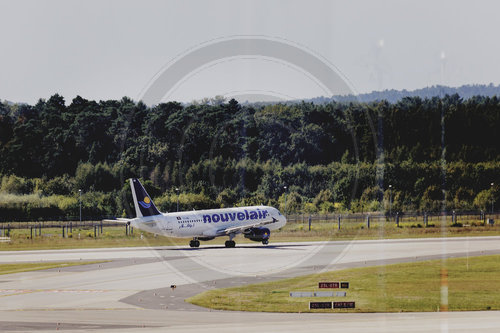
x=191 y=243
x=230 y=243
x=265 y=242
x=196 y=243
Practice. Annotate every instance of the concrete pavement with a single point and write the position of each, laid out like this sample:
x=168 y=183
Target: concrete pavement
x=132 y=292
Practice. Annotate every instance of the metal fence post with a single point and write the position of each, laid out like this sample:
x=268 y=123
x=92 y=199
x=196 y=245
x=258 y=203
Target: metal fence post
x=309 y=222
x=397 y=219
x=368 y=221
x=339 y=222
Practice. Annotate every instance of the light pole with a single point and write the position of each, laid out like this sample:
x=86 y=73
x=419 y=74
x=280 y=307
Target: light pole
x=177 y=190
x=80 y=191
x=492 y=198
x=390 y=200
x=284 y=187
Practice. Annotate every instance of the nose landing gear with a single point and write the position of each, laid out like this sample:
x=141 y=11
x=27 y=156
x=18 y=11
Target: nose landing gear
x=194 y=243
x=231 y=242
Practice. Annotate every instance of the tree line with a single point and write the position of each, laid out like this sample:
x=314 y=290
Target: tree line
x=338 y=156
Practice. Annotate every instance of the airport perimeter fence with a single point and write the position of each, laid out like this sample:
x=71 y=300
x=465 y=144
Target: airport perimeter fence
x=95 y=226
x=59 y=221
x=417 y=219
x=457 y=219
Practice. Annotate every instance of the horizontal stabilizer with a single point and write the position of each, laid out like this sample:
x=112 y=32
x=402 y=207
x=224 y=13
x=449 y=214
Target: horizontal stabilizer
x=124 y=221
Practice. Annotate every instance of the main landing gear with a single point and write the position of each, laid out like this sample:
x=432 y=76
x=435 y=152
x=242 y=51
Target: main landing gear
x=194 y=243
x=230 y=243
x=265 y=242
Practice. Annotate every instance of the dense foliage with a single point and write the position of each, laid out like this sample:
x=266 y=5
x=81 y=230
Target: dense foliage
x=335 y=156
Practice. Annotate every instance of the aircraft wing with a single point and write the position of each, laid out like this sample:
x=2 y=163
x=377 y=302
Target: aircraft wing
x=241 y=228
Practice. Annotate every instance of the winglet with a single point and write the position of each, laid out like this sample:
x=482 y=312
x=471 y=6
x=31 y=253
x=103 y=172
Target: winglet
x=144 y=206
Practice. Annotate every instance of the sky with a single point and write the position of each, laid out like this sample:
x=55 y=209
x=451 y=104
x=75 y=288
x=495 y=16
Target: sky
x=107 y=49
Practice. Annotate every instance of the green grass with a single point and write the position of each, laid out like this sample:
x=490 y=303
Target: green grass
x=474 y=284
x=81 y=238
x=27 y=267
x=292 y=232
x=329 y=231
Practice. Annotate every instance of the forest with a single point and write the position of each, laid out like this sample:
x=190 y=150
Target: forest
x=417 y=154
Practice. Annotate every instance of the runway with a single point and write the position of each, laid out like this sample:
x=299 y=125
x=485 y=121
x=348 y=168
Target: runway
x=132 y=291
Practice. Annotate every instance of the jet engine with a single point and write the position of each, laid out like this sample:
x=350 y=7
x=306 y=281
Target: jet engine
x=205 y=238
x=258 y=234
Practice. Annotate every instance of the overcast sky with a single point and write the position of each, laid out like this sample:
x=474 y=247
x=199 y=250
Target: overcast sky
x=107 y=49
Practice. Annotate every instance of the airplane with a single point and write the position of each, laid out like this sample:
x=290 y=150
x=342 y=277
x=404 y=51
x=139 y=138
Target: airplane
x=254 y=222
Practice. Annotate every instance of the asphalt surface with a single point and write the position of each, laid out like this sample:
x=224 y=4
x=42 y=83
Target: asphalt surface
x=133 y=291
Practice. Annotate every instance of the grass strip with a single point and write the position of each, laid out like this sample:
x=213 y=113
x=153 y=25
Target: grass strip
x=473 y=284
x=27 y=267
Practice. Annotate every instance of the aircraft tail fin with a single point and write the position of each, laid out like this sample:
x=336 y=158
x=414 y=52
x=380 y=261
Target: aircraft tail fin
x=144 y=206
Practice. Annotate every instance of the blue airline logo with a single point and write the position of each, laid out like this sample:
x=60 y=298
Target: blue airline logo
x=233 y=216
x=146 y=203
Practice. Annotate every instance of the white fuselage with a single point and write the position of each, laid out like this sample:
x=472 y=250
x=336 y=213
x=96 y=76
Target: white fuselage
x=209 y=223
